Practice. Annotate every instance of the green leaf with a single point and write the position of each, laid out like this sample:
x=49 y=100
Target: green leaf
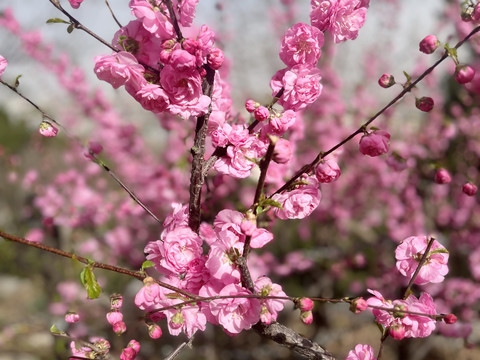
x=70 y=28
x=90 y=283
x=57 y=21
x=147 y=264
x=271 y=202
x=17 y=81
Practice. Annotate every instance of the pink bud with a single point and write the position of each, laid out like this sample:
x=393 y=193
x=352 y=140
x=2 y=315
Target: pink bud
x=48 y=130
x=215 y=58
x=442 y=177
x=374 y=143
x=282 y=152
x=464 y=74
x=305 y=304
x=116 y=301
x=72 y=317
x=327 y=171
x=250 y=105
x=424 y=103
x=261 y=113
x=119 y=328
x=128 y=354
x=306 y=317
x=3 y=65
x=429 y=44
x=114 y=317
x=135 y=345
x=386 y=80
x=95 y=147
x=469 y=189
x=358 y=305
x=154 y=331
x=476 y=13
x=397 y=332
x=450 y=319
x=248 y=227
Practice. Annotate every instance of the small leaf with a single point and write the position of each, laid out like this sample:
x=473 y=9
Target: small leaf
x=17 y=81
x=57 y=20
x=271 y=202
x=70 y=28
x=90 y=283
x=147 y=264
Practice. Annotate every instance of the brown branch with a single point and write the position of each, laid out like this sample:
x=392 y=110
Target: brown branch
x=419 y=267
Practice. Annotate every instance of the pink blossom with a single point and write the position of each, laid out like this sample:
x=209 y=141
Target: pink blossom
x=306 y=317
x=36 y=235
x=464 y=74
x=301 y=45
x=179 y=247
x=361 y=352
x=358 y=305
x=75 y=3
x=469 y=189
x=327 y=171
x=298 y=203
x=153 y=98
x=72 y=317
x=260 y=237
x=442 y=176
x=305 y=304
x=397 y=331
x=383 y=317
x=120 y=69
x=409 y=253
x=386 y=81
x=282 y=152
x=342 y=18
x=119 y=327
x=47 y=129
x=450 y=319
x=301 y=86
x=150 y=296
x=418 y=325
x=261 y=113
x=186 y=11
x=281 y=123
x=153 y=19
x=128 y=354
x=188 y=320
x=374 y=143
x=215 y=58
x=3 y=65
x=221 y=257
x=251 y=105
x=182 y=60
x=235 y=314
x=154 y=331
x=424 y=103
x=114 y=317
x=184 y=89
x=429 y=44
x=270 y=307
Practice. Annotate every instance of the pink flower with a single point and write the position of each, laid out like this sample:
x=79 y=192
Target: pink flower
x=342 y=18
x=179 y=247
x=3 y=65
x=184 y=89
x=153 y=18
x=298 y=203
x=358 y=305
x=153 y=98
x=114 y=317
x=442 y=176
x=215 y=58
x=450 y=319
x=301 y=45
x=270 y=307
x=374 y=143
x=397 y=331
x=429 y=44
x=469 y=189
x=306 y=317
x=361 y=352
x=72 y=317
x=128 y=354
x=154 y=331
x=47 y=129
x=188 y=320
x=281 y=123
x=282 y=152
x=119 y=328
x=327 y=171
x=120 y=69
x=424 y=103
x=235 y=314
x=409 y=253
x=250 y=105
x=301 y=86
x=261 y=113
x=386 y=81
x=150 y=296
x=260 y=237
x=418 y=325
x=464 y=74
x=305 y=304
x=186 y=11
x=75 y=3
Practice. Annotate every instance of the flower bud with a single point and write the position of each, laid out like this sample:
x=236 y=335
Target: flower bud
x=250 y=105
x=305 y=304
x=386 y=80
x=261 y=113
x=215 y=58
x=119 y=328
x=116 y=301
x=469 y=189
x=72 y=317
x=464 y=74
x=358 y=305
x=154 y=331
x=3 y=65
x=135 y=345
x=424 y=103
x=327 y=171
x=114 y=317
x=128 y=354
x=429 y=44
x=397 y=332
x=282 y=152
x=450 y=319
x=442 y=177
x=374 y=143
x=306 y=317
x=48 y=130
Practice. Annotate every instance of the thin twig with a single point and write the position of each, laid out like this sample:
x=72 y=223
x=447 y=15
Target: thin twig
x=113 y=15
x=177 y=351
x=419 y=267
